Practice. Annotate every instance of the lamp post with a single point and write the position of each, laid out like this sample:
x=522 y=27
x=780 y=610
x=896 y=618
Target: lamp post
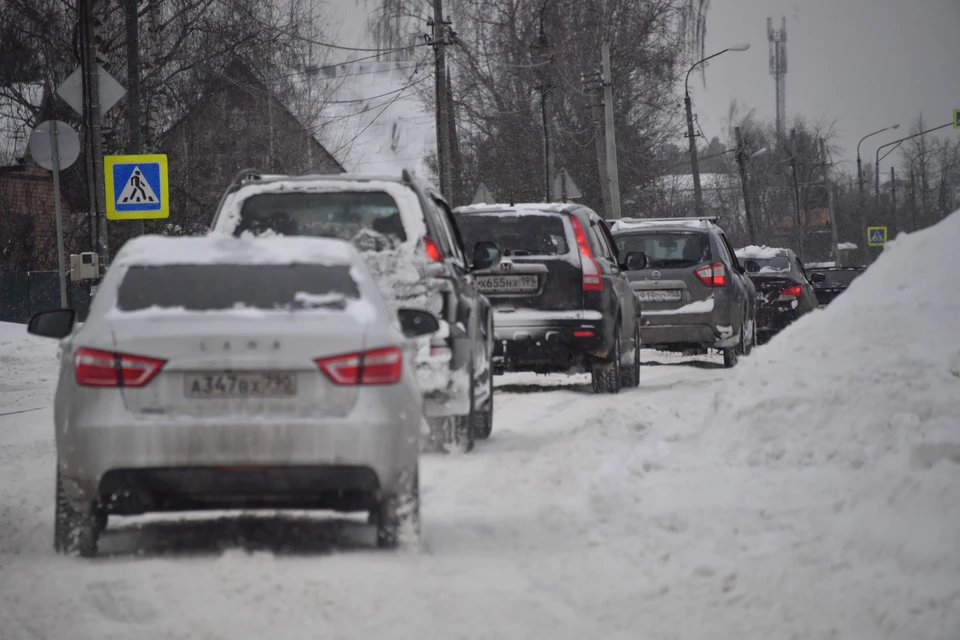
x=694 y=166
x=876 y=167
x=860 y=164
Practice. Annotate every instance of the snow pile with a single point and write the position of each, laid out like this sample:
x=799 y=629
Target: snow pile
x=877 y=373
x=25 y=360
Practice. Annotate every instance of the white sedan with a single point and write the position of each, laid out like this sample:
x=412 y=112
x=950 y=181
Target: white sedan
x=224 y=373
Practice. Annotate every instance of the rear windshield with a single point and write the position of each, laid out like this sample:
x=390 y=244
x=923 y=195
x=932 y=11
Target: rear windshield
x=834 y=278
x=363 y=217
x=667 y=250
x=776 y=264
x=516 y=235
x=218 y=287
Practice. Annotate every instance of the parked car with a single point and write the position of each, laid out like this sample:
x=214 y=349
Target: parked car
x=692 y=291
x=217 y=373
x=830 y=282
x=561 y=301
x=408 y=238
x=783 y=292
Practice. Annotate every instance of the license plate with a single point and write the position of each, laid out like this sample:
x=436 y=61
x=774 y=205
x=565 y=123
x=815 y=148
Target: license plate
x=669 y=295
x=508 y=284
x=248 y=384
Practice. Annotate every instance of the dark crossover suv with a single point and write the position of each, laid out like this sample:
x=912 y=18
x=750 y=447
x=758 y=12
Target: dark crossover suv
x=692 y=291
x=783 y=292
x=409 y=240
x=561 y=301
x=830 y=282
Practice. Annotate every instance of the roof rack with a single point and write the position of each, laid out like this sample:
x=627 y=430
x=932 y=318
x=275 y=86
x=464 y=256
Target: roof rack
x=247 y=174
x=694 y=218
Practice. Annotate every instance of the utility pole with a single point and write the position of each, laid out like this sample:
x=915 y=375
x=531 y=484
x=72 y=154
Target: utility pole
x=456 y=160
x=593 y=87
x=133 y=88
x=893 y=197
x=439 y=43
x=95 y=183
x=694 y=162
x=796 y=191
x=543 y=58
x=833 y=215
x=742 y=163
x=613 y=179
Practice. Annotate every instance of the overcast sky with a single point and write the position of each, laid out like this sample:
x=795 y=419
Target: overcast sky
x=865 y=63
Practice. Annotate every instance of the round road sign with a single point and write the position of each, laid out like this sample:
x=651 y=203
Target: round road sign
x=41 y=144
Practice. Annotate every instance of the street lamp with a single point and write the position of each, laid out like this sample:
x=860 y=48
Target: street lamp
x=876 y=166
x=860 y=164
x=694 y=166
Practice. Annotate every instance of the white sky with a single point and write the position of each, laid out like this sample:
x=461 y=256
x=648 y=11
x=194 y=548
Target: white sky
x=865 y=63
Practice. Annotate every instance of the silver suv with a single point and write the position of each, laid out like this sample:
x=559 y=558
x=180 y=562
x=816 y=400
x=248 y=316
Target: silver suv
x=692 y=291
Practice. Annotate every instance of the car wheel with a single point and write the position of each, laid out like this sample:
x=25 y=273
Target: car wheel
x=606 y=377
x=483 y=419
x=74 y=532
x=398 y=518
x=732 y=354
x=630 y=374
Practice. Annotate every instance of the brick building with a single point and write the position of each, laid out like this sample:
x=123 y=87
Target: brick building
x=28 y=233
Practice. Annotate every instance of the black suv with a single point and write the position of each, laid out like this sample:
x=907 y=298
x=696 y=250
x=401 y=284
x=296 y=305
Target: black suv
x=561 y=301
x=407 y=235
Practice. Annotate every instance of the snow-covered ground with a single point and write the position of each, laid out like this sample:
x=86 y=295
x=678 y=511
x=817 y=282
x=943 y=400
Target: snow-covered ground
x=812 y=492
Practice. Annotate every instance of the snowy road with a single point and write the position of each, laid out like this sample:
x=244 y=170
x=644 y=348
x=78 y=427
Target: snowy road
x=583 y=517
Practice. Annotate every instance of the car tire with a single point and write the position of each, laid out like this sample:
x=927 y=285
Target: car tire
x=630 y=375
x=483 y=419
x=74 y=532
x=732 y=354
x=606 y=377
x=398 y=518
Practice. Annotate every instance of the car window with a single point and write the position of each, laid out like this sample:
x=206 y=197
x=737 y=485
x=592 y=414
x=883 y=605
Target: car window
x=799 y=266
x=767 y=264
x=529 y=234
x=729 y=255
x=448 y=230
x=608 y=239
x=667 y=249
x=601 y=242
x=217 y=287
x=368 y=218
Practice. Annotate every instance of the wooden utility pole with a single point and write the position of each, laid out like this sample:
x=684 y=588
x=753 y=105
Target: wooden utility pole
x=133 y=88
x=613 y=179
x=443 y=112
x=833 y=214
x=593 y=87
x=796 y=191
x=95 y=183
x=742 y=164
x=893 y=197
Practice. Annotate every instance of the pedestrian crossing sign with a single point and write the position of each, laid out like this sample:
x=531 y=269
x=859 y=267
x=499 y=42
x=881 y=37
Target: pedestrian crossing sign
x=877 y=236
x=136 y=187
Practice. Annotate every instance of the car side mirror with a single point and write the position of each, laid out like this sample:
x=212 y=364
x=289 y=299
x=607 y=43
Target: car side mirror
x=485 y=255
x=636 y=261
x=57 y=323
x=416 y=322
x=818 y=278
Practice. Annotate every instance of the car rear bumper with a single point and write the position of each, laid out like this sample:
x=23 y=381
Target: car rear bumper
x=776 y=318
x=367 y=451
x=540 y=341
x=704 y=330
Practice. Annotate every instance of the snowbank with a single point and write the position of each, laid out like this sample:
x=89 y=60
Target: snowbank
x=25 y=360
x=875 y=374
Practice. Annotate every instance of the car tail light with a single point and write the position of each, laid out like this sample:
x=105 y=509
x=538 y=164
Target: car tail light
x=792 y=292
x=713 y=275
x=584 y=333
x=592 y=278
x=432 y=249
x=94 y=368
x=378 y=366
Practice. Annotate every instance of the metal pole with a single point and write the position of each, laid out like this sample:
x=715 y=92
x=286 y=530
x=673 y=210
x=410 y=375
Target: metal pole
x=593 y=86
x=833 y=215
x=547 y=148
x=133 y=89
x=55 y=148
x=742 y=163
x=91 y=71
x=694 y=165
x=893 y=197
x=443 y=127
x=796 y=192
x=611 y=136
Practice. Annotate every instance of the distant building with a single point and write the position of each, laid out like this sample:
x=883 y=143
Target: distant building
x=238 y=123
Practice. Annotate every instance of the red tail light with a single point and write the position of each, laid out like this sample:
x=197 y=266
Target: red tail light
x=592 y=278
x=94 y=368
x=378 y=366
x=713 y=275
x=432 y=250
x=792 y=292
x=585 y=333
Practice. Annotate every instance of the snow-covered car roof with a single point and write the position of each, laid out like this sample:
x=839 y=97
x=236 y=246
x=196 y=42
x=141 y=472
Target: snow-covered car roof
x=521 y=208
x=639 y=224
x=223 y=249
x=753 y=252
